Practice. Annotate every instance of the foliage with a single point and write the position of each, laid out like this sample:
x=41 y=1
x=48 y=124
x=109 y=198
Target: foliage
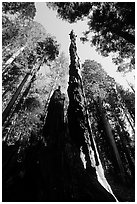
x=71 y=11
x=32 y=37
x=25 y=51
x=9 y=29
x=59 y=68
x=112 y=25
x=98 y=84
x=24 y=9
x=96 y=80
x=48 y=49
x=129 y=100
x=33 y=109
x=14 y=16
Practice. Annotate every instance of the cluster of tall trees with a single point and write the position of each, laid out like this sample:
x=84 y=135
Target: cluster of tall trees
x=25 y=86
x=112 y=119
x=100 y=119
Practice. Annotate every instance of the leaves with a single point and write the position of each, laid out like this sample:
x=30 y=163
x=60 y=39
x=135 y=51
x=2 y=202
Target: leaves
x=96 y=80
x=10 y=30
x=48 y=49
x=71 y=11
x=25 y=9
x=112 y=25
x=25 y=51
x=98 y=84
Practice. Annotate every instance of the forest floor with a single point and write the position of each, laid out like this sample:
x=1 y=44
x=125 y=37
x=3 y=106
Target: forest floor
x=124 y=193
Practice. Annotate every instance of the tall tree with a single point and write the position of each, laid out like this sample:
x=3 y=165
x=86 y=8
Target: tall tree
x=78 y=120
x=128 y=99
x=98 y=84
x=110 y=137
x=39 y=48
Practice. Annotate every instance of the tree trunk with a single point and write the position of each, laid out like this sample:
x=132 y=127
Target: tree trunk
x=66 y=178
x=9 y=88
x=9 y=61
x=131 y=86
x=125 y=111
x=111 y=140
x=126 y=148
x=7 y=110
x=78 y=120
x=54 y=171
x=19 y=105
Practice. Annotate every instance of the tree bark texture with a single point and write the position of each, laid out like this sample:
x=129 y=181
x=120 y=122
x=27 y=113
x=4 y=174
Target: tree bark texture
x=66 y=178
x=77 y=113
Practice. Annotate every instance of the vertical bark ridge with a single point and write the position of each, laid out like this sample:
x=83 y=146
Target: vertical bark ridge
x=78 y=121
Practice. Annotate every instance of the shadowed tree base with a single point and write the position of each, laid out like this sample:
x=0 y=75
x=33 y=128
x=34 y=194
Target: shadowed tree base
x=53 y=172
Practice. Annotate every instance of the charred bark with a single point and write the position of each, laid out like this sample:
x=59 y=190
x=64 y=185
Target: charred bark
x=54 y=171
x=78 y=123
x=66 y=178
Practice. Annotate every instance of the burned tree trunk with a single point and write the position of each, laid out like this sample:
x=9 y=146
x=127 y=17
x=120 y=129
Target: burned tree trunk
x=53 y=170
x=63 y=172
x=76 y=110
x=53 y=132
x=79 y=129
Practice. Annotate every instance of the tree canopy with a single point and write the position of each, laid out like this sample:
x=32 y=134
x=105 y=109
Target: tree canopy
x=54 y=144
x=112 y=25
x=118 y=108
x=23 y=9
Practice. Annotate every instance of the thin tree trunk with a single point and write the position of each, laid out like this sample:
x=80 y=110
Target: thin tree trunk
x=18 y=106
x=124 y=109
x=130 y=86
x=14 y=98
x=6 y=112
x=8 y=89
x=128 y=119
x=111 y=140
x=126 y=147
x=9 y=61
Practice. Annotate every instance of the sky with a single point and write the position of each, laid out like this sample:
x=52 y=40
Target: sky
x=61 y=29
